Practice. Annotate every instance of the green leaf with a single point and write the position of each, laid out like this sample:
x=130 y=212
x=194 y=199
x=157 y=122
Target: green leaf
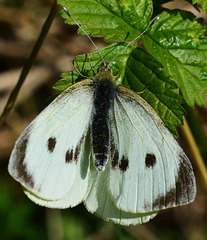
x=112 y=19
x=201 y=3
x=138 y=70
x=178 y=42
x=67 y=79
x=144 y=73
x=84 y=63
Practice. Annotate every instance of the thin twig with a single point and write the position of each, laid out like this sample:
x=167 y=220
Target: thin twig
x=29 y=63
x=195 y=152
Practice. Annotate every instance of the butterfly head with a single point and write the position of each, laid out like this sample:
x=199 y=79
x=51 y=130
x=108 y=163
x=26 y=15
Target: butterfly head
x=104 y=72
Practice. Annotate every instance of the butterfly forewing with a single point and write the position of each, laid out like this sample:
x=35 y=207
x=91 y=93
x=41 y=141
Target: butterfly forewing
x=149 y=171
x=78 y=191
x=46 y=155
x=102 y=144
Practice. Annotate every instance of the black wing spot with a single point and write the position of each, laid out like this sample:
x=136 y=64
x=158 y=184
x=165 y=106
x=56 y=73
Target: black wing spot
x=184 y=190
x=114 y=155
x=77 y=152
x=185 y=184
x=69 y=156
x=78 y=149
x=20 y=156
x=114 y=159
x=124 y=164
x=168 y=200
x=73 y=155
x=51 y=144
x=150 y=160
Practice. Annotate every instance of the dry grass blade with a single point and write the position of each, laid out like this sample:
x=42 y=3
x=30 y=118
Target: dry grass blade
x=29 y=63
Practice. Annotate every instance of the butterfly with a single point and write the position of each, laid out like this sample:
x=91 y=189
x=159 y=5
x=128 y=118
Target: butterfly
x=100 y=143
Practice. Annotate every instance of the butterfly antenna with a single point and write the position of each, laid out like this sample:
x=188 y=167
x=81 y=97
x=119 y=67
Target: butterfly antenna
x=152 y=23
x=65 y=9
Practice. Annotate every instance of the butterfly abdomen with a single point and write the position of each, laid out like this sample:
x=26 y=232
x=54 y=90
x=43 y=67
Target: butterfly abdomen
x=103 y=97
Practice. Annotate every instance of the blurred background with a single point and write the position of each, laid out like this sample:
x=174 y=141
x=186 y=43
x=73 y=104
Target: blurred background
x=20 y=25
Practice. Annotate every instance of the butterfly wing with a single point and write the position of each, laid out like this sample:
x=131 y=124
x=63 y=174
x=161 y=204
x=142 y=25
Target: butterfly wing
x=78 y=191
x=149 y=170
x=47 y=156
x=100 y=201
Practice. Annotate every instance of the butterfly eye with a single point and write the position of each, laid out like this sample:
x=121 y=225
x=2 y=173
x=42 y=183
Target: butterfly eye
x=150 y=160
x=51 y=144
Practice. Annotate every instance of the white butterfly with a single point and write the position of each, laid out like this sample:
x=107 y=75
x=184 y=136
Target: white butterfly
x=102 y=144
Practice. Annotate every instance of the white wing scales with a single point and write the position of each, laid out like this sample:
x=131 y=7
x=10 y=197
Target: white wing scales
x=54 y=147
x=100 y=200
x=77 y=192
x=149 y=171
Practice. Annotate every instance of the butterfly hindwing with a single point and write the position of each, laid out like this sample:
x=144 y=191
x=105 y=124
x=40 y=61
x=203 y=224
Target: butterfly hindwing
x=100 y=201
x=149 y=171
x=55 y=142
x=143 y=169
